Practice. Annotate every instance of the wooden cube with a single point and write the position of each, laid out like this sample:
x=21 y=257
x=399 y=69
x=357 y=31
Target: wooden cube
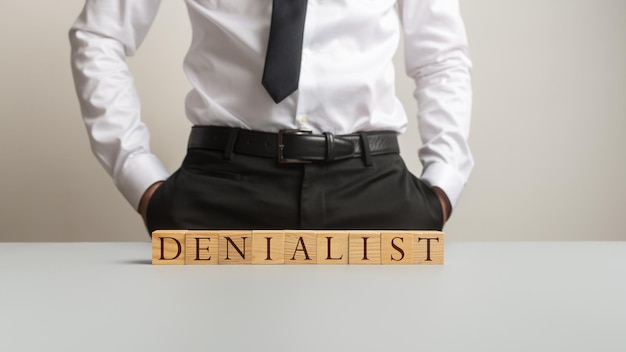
x=235 y=247
x=364 y=247
x=168 y=247
x=300 y=247
x=268 y=247
x=428 y=247
x=396 y=247
x=332 y=247
x=202 y=247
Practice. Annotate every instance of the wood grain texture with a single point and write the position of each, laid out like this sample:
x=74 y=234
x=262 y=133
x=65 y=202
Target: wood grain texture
x=202 y=247
x=300 y=247
x=268 y=247
x=332 y=247
x=364 y=247
x=396 y=247
x=428 y=247
x=168 y=247
x=175 y=247
x=235 y=247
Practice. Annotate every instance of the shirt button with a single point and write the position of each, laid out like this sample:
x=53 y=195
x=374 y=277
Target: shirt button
x=304 y=120
x=305 y=56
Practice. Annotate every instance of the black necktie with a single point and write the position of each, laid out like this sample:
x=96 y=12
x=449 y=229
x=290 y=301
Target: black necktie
x=284 y=48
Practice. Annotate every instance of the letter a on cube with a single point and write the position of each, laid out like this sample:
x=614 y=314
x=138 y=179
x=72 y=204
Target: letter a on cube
x=300 y=247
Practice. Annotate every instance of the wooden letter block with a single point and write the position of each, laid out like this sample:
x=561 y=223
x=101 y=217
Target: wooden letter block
x=202 y=247
x=396 y=247
x=332 y=247
x=168 y=247
x=364 y=247
x=428 y=247
x=235 y=247
x=268 y=247
x=300 y=247
x=206 y=247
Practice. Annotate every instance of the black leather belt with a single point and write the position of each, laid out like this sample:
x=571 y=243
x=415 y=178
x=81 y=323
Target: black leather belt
x=293 y=146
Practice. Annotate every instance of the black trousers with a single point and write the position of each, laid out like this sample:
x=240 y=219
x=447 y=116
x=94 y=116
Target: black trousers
x=249 y=192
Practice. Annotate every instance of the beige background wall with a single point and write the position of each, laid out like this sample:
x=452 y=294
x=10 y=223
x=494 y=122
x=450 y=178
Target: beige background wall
x=548 y=132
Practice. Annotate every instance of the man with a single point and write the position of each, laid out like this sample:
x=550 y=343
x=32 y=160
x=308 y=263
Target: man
x=294 y=111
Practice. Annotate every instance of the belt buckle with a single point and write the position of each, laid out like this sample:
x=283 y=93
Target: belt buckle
x=281 y=146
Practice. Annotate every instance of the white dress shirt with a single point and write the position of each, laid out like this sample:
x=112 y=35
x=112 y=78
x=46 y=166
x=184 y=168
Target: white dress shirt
x=346 y=81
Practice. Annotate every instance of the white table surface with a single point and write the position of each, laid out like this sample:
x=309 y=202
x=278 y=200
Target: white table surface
x=489 y=296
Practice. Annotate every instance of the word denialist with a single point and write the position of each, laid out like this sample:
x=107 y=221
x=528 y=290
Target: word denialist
x=170 y=247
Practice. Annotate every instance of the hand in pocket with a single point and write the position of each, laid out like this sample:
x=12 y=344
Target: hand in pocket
x=446 y=207
x=145 y=200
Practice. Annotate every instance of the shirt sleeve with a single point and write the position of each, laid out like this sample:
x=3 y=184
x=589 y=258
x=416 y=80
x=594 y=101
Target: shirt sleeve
x=104 y=35
x=437 y=58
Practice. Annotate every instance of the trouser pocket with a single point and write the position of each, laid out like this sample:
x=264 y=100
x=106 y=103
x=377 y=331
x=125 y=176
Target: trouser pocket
x=159 y=208
x=431 y=201
x=385 y=196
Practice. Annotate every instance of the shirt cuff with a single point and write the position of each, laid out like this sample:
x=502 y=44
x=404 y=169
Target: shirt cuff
x=445 y=177
x=139 y=173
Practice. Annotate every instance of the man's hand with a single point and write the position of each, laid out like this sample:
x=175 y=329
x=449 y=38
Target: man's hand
x=445 y=203
x=145 y=200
